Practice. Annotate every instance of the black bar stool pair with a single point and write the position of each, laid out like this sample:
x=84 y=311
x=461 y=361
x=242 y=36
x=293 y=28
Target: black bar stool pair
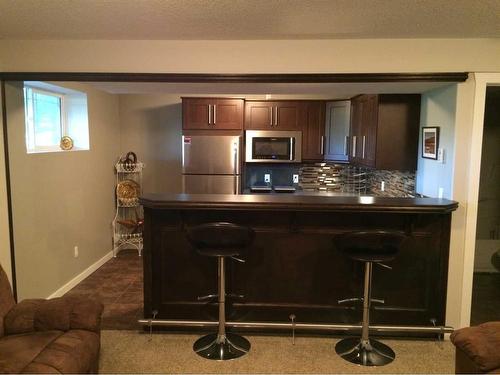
x=227 y=240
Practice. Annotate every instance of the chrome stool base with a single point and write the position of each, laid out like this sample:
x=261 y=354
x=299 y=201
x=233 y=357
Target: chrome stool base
x=364 y=352
x=221 y=348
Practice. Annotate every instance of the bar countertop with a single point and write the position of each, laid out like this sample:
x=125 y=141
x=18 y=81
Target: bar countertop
x=291 y=202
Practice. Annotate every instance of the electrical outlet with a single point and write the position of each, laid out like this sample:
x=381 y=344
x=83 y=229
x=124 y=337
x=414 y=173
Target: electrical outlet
x=440 y=192
x=75 y=251
x=267 y=177
x=295 y=178
x=382 y=186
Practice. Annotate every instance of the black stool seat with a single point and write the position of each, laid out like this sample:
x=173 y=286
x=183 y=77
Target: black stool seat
x=220 y=239
x=370 y=246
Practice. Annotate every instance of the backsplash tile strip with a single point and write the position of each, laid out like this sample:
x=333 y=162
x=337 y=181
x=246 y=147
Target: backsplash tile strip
x=397 y=183
x=348 y=179
x=326 y=176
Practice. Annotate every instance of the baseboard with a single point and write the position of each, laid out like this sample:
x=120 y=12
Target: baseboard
x=80 y=277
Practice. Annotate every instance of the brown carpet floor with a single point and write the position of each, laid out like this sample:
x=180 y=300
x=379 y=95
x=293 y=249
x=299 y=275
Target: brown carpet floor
x=132 y=352
x=118 y=284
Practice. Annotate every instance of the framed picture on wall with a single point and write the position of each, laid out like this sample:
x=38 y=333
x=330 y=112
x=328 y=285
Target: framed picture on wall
x=430 y=142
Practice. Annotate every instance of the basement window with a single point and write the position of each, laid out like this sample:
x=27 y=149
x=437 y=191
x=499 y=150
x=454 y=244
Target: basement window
x=56 y=118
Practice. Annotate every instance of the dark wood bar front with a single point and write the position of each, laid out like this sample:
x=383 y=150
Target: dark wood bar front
x=292 y=266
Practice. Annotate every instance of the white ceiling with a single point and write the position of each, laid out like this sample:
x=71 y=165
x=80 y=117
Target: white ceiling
x=259 y=90
x=248 y=19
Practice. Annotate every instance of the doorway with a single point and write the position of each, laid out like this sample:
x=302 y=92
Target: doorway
x=486 y=280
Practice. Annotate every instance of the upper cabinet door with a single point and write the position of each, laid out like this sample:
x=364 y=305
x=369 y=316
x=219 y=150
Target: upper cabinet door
x=356 y=130
x=384 y=131
x=259 y=115
x=282 y=115
x=290 y=115
x=313 y=133
x=197 y=113
x=228 y=114
x=337 y=122
x=369 y=130
x=212 y=113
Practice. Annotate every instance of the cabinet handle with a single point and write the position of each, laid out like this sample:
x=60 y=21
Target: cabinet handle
x=209 y=114
x=215 y=113
x=354 y=146
x=271 y=123
x=345 y=144
x=322 y=145
x=276 y=116
x=364 y=143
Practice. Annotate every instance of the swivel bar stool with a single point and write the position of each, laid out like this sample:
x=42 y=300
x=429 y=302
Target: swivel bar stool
x=221 y=240
x=368 y=247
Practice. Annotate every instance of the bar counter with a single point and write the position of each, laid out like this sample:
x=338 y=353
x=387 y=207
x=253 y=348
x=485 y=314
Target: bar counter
x=293 y=268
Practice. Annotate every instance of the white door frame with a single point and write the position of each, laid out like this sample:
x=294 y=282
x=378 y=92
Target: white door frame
x=482 y=80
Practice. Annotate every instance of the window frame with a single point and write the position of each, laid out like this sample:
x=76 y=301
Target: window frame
x=30 y=125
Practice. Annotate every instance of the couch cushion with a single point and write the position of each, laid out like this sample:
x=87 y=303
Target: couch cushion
x=6 y=298
x=21 y=317
x=17 y=351
x=481 y=343
x=75 y=351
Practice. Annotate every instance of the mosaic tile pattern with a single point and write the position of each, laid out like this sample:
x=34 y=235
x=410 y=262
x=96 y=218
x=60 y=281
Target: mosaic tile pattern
x=397 y=184
x=349 y=179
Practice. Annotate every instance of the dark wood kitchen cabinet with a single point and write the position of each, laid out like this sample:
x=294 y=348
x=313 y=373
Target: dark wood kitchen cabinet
x=212 y=113
x=385 y=131
x=275 y=115
x=313 y=131
x=337 y=123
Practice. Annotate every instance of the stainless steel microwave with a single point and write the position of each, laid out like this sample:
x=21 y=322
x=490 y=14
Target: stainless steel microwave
x=269 y=146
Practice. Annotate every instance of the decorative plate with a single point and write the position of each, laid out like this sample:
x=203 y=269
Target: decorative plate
x=127 y=191
x=66 y=143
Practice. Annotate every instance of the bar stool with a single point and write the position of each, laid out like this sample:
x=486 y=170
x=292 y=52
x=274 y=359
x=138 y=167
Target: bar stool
x=221 y=240
x=368 y=247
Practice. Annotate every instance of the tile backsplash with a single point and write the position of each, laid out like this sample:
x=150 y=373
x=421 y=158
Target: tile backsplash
x=335 y=177
x=396 y=183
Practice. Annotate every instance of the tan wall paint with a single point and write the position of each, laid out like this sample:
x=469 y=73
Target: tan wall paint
x=61 y=199
x=252 y=56
x=4 y=218
x=151 y=126
x=403 y=55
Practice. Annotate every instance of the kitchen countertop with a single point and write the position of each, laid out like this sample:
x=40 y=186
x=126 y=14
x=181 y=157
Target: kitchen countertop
x=297 y=202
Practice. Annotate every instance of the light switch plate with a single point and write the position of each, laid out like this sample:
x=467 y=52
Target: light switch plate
x=440 y=155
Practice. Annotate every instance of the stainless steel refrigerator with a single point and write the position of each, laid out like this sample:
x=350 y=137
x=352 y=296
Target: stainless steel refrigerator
x=211 y=164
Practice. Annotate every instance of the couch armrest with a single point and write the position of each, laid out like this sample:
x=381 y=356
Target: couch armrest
x=61 y=314
x=480 y=344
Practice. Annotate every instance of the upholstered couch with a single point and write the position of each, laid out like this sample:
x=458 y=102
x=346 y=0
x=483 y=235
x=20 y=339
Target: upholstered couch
x=477 y=349
x=60 y=335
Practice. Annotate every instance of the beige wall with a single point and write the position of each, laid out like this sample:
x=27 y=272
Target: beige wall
x=331 y=56
x=4 y=218
x=61 y=200
x=150 y=125
x=252 y=56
